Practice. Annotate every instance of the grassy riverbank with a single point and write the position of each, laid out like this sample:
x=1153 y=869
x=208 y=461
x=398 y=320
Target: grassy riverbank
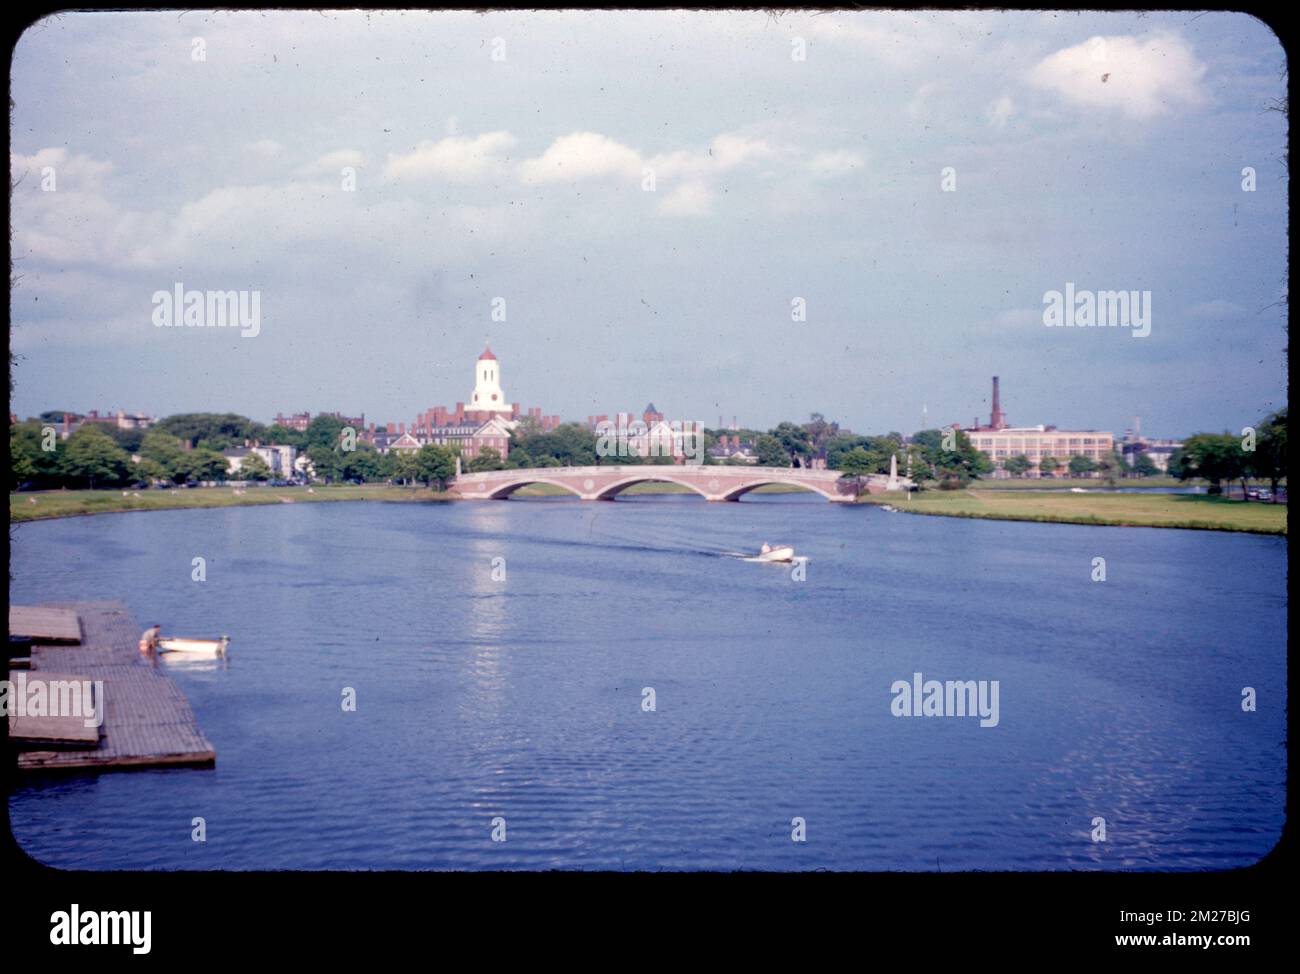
x=1129 y=510
x=39 y=505
x=1093 y=483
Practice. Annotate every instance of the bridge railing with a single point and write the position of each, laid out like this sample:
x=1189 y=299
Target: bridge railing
x=725 y=470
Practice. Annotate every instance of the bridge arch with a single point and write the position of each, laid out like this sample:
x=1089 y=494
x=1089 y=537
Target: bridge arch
x=614 y=489
x=745 y=488
x=504 y=491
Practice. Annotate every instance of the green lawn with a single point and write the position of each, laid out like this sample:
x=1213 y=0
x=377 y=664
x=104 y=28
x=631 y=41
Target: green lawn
x=33 y=506
x=1089 y=483
x=1134 y=510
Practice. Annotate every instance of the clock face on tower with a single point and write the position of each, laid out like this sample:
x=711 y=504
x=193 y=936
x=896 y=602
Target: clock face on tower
x=487 y=384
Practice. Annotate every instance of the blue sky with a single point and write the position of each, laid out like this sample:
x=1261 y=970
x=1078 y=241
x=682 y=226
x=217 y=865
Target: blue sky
x=774 y=178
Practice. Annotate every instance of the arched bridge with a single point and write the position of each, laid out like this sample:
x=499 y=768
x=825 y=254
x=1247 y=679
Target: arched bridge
x=720 y=483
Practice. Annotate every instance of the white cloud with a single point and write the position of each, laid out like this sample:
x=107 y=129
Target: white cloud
x=692 y=199
x=895 y=38
x=917 y=107
x=332 y=162
x=582 y=155
x=456 y=158
x=265 y=148
x=1140 y=77
x=78 y=172
x=730 y=150
x=839 y=163
x=1000 y=112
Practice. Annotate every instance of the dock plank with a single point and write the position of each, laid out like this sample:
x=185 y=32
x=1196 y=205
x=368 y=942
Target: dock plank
x=46 y=624
x=147 y=720
x=55 y=730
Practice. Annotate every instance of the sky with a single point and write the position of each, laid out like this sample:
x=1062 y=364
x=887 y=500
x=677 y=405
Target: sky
x=648 y=196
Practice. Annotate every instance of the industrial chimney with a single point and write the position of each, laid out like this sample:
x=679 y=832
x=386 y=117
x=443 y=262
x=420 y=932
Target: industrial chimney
x=997 y=421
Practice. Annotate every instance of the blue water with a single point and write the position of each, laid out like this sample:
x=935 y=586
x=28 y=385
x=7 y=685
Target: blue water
x=522 y=698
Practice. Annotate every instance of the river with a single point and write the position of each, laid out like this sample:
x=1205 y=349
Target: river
x=482 y=698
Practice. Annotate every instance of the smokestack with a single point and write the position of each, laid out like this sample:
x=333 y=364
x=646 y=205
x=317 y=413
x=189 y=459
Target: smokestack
x=997 y=420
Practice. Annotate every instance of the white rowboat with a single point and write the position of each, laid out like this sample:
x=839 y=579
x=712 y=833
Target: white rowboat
x=784 y=553
x=194 y=647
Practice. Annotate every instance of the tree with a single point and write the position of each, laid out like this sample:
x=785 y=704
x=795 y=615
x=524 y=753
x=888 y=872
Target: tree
x=128 y=439
x=93 y=457
x=1079 y=464
x=22 y=461
x=1111 y=466
x=951 y=457
x=1270 y=450
x=819 y=432
x=770 y=452
x=1215 y=457
x=1144 y=466
x=1018 y=465
x=857 y=462
x=253 y=467
x=325 y=461
x=436 y=464
x=284 y=436
x=324 y=431
x=199 y=465
x=569 y=445
x=364 y=463
x=219 y=431
x=795 y=442
x=487 y=459
x=842 y=443
x=29 y=463
x=149 y=471
x=915 y=464
x=1047 y=466
x=403 y=466
x=159 y=445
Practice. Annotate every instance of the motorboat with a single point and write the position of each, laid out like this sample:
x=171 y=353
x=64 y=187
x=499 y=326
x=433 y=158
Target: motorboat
x=194 y=647
x=780 y=553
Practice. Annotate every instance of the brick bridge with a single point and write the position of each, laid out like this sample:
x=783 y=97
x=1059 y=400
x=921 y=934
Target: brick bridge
x=715 y=483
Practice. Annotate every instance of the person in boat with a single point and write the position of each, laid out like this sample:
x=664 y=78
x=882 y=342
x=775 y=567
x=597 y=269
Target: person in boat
x=765 y=549
x=149 y=639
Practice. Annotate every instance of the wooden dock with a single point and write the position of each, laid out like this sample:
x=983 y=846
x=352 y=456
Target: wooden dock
x=45 y=624
x=147 y=720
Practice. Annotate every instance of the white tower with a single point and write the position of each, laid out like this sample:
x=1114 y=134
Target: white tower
x=487 y=395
